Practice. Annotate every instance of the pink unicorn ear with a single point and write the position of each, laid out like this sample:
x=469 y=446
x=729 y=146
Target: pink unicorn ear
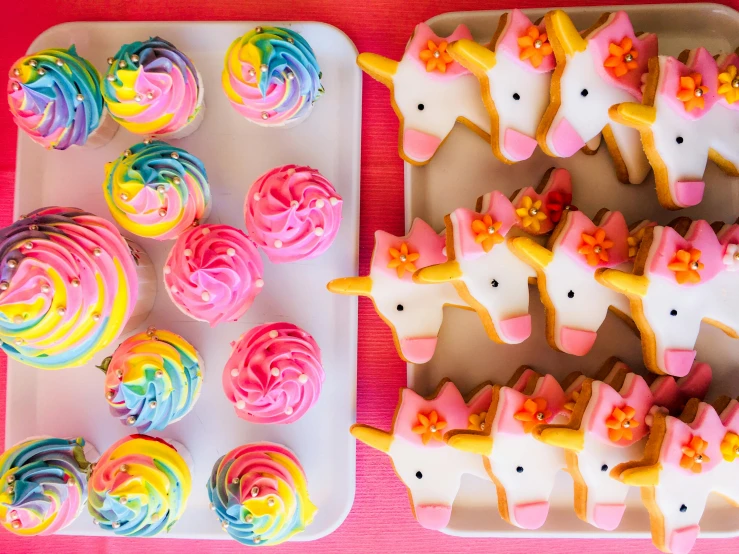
x=684 y=442
x=477 y=233
x=675 y=256
x=518 y=37
x=400 y=257
x=611 y=408
x=730 y=417
x=518 y=413
x=680 y=80
x=415 y=416
x=611 y=45
x=424 y=43
x=550 y=389
x=596 y=247
x=481 y=401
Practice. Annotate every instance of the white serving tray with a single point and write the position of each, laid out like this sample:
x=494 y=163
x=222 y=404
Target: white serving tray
x=465 y=168
x=71 y=402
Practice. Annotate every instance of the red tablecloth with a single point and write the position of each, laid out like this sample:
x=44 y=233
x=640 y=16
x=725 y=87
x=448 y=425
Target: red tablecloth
x=380 y=520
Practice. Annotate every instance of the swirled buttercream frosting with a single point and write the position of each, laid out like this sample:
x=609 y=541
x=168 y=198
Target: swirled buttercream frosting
x=293 y=213
x=152 y=88
x=271 y=76
x=157 y=191
x=54 y=96
x=43 y=485
x=139 y=487
x=68 y=285
x=260 y=494
x=152 y=379
x=213 y=273
x=274 y=374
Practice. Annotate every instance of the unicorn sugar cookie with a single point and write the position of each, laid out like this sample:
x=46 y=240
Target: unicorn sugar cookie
x=427 y=466
x=481 y=265
x=429 y=91
x=685 y=460
x=608 y=426
x=514 y=73
x=677 y=282
x=522 y=468
x=689 y=114
x=413 y=312
x=575 y=303
x=601 y=67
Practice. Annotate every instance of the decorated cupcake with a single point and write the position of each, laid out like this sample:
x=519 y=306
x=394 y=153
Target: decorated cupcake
x=69 y=284
x=271 y=76
x=213 y=273
x=152 y=88
x=274 y=374
x=293 y=213
x=54 y=96
x=260 y=494
x=139 y=487
x=157 y=191
x=44 y=484
x=152 y=379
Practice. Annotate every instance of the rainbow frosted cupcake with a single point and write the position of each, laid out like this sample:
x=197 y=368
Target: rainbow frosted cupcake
x=152 y=379
x=271 y=76
x=69 y=285
x=54 y=96
x=260 y=494
x=274 y=374
x=157 y=191
x=152 y=88
x=213 y=273
x=139 y=487
x=293 y=213
x=44 y=484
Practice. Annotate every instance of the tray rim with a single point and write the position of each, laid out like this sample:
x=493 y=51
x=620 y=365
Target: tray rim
x=698 y=7
x=356 y=177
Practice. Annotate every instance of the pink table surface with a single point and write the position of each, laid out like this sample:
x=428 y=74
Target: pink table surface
x=380 y=520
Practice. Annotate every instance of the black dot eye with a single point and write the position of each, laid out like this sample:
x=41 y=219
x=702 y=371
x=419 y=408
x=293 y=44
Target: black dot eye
x=673 y=312
x=494 y=283
x=604 y=467
x=399 y=307
x=421 y=107
x=679 y=140
x=683 y=508
x=584 y=92
x=519 y=469
x=571 y=294
x=516 y=96
x=419 y=475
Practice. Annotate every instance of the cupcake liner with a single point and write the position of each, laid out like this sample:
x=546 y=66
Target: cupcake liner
x=147 y=287
x=104 y=133
x=182 y=451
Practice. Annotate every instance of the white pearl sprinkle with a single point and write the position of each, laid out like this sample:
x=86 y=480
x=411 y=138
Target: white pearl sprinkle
x=303 y=378
x=318 y=231
x=241 y=404
x=235 y=372
x=96 y=317
x=288 y=411
x=278 y=243
x=162 y=212
x=61 y=310
x=44 y=288
x=206 y=230
x=275 y=371
x=161 y=189
x=291 y=171
x=294 y=203
x=231 y=251
x=4 y=285
x=205 y=295
x=273 y=334
x=173 y=289
x=257 y=197
x=12 y=263
x=265 y=116
x=259 y=283
x=320 y=203
x=187 y=252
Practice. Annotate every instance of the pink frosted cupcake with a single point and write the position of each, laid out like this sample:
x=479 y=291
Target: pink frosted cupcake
x=274 y=374
x=293 y=213
x=213 y=273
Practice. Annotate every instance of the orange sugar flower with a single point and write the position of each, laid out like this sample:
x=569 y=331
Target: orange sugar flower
x=622 y=57
x=595 y=247
x=436 y=56
x=533 y=413
x=429 y=427
x=534 y=46
x=620 y=423
x=694 y=455
x=691 y=92
x=402 y=260
x=477 y=422
x=730 y=447
x=686 y=264
x=486 y=232
x=728 y=84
